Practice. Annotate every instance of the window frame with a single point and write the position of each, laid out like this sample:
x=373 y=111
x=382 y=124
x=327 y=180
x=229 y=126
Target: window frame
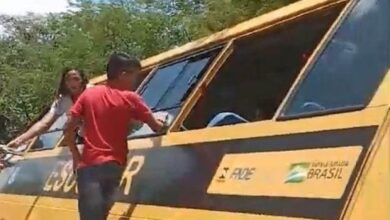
x=305 y=71
x=57 y=142
x=186 y=56
x=194 y=96
x=35 y=139
x=191 y=54
x=327 y=37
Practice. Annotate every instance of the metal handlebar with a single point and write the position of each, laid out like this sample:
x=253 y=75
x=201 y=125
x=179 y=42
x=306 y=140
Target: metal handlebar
x=7 y=155
x=5 y=150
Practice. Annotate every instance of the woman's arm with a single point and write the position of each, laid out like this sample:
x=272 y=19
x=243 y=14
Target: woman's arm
x=38 y=128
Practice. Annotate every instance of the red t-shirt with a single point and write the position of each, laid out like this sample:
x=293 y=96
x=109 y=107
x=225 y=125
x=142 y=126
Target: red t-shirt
x=106 y=113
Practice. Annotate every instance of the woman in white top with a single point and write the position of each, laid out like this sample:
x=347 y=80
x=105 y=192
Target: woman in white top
x=73 y=82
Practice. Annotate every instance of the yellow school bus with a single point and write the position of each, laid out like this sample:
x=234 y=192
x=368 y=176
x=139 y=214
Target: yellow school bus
x=284 y=116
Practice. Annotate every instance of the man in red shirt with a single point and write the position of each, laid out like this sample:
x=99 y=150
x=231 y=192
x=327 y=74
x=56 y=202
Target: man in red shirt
x=106 y=112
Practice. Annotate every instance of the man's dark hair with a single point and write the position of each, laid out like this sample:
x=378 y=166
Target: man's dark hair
x=119 y=62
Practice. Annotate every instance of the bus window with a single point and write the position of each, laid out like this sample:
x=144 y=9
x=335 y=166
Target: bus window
x=257 y=76
x=49 y=139
x=351 y=67
x=59 y=123
x=159 y=83
x=140 y=78
x=170 y=84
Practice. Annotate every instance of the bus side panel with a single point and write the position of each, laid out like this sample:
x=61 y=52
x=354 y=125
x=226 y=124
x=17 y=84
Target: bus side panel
x=182 y=177
x=21 y=185
x=373 y=197
x=13 y=207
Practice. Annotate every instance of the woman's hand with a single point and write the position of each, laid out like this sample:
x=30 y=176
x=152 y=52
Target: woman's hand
x=15 y=143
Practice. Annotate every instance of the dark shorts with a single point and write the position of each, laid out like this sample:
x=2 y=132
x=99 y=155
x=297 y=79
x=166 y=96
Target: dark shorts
x=97 y=189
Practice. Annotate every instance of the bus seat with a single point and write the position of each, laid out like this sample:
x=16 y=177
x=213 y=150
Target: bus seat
x=226 y=118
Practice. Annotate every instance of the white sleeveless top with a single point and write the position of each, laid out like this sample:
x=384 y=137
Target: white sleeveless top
x=63 y=104
x=60 y=107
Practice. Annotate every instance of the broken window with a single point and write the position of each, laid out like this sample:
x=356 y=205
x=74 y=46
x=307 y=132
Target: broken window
x=168 y=87
x=257 y=76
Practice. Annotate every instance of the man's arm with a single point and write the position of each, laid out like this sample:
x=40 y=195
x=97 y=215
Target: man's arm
x=155 y=124
x=74 y=119
x=70 y=136
x=142 y=112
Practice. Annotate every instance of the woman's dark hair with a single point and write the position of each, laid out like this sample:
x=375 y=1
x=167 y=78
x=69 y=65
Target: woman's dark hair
x=62 y=90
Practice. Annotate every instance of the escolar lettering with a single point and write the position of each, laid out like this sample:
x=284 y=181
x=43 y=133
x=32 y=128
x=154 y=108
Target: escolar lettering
x=133 y=167
x=63 y=179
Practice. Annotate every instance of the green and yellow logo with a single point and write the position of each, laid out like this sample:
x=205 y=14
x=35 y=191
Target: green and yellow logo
x=297 y=173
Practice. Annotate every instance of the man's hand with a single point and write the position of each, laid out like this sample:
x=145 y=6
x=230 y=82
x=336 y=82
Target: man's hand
x=159 y=122
x=164 y=125
x=75 y=163
x=70 y=137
